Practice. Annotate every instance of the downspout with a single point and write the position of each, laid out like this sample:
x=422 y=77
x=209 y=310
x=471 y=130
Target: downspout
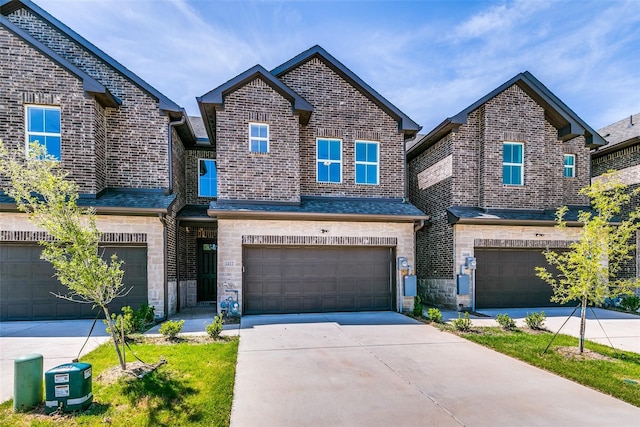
x=177 y=266
x=170 y=148
x=404 y=170
x=165 y=278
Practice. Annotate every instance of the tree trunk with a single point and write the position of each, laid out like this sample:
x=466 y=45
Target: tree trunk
x=114 y=336
x=583 y=323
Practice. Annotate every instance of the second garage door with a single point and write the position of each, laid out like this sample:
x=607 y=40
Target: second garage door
x=317 y=279
x=507 y=278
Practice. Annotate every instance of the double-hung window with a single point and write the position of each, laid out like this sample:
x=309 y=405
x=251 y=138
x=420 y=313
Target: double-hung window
x=258 y=137
x=207 y=178
x=513 y=163
x=367 y=166
x=43 y=126
x=569 y=165
x=329 y=160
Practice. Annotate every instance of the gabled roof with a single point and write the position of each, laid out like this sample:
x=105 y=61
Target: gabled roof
x=89 y=84
x=405 y=124
x=8 y=6
x=214 y=99
x=619 y=135
x=568 y=124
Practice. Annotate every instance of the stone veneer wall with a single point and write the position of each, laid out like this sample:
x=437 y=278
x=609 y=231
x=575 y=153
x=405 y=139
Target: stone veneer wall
x=230 y=233
x=150 y=226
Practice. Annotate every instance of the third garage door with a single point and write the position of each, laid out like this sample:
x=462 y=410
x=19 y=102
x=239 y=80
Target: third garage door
x=317 y=279
x=507 y=278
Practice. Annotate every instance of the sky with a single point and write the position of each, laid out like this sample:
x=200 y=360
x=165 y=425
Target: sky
x=431 y=59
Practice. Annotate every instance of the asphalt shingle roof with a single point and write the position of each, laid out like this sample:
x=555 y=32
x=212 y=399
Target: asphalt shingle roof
x=621 y=131
x=458 y=213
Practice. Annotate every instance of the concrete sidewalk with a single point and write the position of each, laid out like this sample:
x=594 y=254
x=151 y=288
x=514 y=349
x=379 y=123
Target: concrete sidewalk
x=381 y=369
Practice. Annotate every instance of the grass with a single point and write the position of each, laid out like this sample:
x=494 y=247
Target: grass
x=614 y=375
x=195 y=387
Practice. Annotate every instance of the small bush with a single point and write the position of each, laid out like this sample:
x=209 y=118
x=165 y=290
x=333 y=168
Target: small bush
x=171 y=328
x=630 y=303
x=535 y=320
x=214 y=328
x=132 y=321
x=462 y=324
x=417 y=306
x=435 y=315
x=505 y=322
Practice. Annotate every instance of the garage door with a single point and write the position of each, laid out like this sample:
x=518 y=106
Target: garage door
x=317 y=279
x=26 y=283
x=507 y=278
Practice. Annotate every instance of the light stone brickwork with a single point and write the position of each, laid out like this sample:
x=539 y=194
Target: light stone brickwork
x=231 y=232
x=436 y=173
x=150 y=226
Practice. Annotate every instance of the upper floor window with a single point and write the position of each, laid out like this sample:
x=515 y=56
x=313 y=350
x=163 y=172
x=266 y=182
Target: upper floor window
x=329 y=160
x=258 y=138
x=569 y=165
x=43 y=126
x=513 y=163
x=367 y=162
x=207 y=178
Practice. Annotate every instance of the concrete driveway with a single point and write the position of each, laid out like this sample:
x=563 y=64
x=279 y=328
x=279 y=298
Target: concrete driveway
x=381 y=369
x=57 y=341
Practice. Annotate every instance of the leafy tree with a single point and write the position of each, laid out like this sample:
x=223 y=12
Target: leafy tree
x=588 y=271
x=41 y=189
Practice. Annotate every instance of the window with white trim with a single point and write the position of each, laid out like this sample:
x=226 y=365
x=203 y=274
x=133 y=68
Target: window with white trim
x=513 y=163
x=207 y=178
x=367 y=162
x=569 y=165
x=258 y=137
x=42 y=124
x=329 y=160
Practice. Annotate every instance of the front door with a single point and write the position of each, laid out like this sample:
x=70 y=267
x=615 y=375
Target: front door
x=207 y=270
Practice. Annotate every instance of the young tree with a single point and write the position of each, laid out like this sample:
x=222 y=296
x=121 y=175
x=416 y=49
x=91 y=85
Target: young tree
x=588 y=271
x=41 y=188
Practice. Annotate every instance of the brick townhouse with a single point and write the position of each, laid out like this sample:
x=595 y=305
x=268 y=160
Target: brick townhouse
x=622 y=154
x=121 y=140
x=491 y=178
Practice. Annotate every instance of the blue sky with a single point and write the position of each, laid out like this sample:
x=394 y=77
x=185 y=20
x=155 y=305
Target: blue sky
x=429 y=58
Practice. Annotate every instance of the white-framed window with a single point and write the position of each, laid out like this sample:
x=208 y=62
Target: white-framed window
x=42 y=124
x=258 y=137
x=207 y=178
x=513 y=163
x=367 y=162
x=329 y=160
x=569 y=165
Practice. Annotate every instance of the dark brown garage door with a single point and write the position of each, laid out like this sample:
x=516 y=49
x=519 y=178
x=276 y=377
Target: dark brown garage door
x=317 y=279
x=507 y=278
x=26 y=283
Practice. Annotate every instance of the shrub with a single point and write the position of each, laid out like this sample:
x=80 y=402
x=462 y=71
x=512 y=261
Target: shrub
x=171 y=328
x=505 y=322
x=132 y=321
x=435 y=315
x=630 y=303
x=146 y=314
x=535 y=320
x=417 y=306
x=214 y=328
x=462 y=323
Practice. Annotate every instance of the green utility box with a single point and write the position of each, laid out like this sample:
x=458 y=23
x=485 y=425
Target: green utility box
x=27 y=382
x=68 y=387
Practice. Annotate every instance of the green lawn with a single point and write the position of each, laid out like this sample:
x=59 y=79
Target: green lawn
x=195 y=387
x=618 y=375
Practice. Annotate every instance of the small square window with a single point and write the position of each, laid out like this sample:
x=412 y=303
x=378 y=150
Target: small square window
x=569 y=165
x=43 y=126
x=207 y=178
x=258 y=138
x=513 y=163
x=329 y=160
x=367 y=162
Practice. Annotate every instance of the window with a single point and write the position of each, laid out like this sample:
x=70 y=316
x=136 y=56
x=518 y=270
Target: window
x=207 y=178
x=329 y=160
x=569 y=165
x=366 y=162
x=512 y=163
x=258 y=138
x=43 y=126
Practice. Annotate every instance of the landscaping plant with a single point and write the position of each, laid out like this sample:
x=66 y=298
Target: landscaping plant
x=462 y=324
x=630 y=303
x=417 y=306
x=435 y=315
x=506 y=322
x=588 y=271
x=171 y=328
x=535 y=320
x=214 y=328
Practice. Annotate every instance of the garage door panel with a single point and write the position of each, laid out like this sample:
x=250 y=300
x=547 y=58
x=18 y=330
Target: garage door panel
x=318 y=279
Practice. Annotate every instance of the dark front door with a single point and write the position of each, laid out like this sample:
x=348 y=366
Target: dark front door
x=207 y=270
